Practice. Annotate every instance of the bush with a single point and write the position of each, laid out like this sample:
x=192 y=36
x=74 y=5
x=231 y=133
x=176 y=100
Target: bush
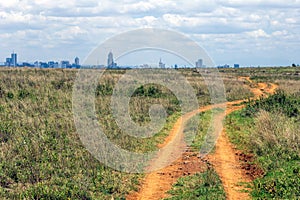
x=104 y=89
x=279 y=102
x=22 y=94
x=148 y=91
x=10 y=95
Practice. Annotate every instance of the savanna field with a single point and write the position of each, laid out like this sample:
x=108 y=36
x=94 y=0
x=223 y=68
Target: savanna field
x=42 y=156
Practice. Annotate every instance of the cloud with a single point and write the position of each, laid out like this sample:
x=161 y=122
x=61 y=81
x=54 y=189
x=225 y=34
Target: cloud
x=266 y=4
x=258 y=34
x=79 y=25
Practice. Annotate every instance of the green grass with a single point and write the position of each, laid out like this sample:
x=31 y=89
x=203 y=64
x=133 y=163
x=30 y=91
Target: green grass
x=269 y=129
x=206 y=185
x=238 y=128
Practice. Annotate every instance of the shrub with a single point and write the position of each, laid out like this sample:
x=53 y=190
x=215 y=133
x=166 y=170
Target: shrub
x=279 y=102
x=104 y=89
x=10 y=95
x=276 y=137
x=23 y=93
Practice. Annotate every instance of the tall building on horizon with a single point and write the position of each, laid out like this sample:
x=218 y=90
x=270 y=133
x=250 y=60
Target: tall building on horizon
x=199 y=63
x=14 y=59
x=7 y=62
x=161 y=64
x=110 y=61
x=77 y=61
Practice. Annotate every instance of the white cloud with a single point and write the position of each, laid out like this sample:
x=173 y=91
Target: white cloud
x=236 y=24
x=261 y=3
x=258 y=34
x=280 y=33
x=291 y=20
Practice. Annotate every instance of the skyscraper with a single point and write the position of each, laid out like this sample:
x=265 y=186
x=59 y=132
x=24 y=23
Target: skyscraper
x=8 y=62
x=161 y=64
x=14 y=60
x=199 y=63
x=110 y=61
x=77 y=61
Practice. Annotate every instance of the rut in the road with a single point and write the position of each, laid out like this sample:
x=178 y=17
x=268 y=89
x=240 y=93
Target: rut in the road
x=156 y=184
x=225 y=160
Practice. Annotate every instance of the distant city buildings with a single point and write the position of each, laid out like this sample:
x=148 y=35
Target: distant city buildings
x=110 y=61
x=223 y=66
x=161 y=64
x=7 y=62
x=13 y=62
x=65 y=64
x=77 y=61
x=228 y=66
x=53 y=64
x=199 y=63
x=14 y=59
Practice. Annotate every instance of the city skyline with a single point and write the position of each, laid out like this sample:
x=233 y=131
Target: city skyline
x=13 y=62
x=111 y=64
x=252 y=32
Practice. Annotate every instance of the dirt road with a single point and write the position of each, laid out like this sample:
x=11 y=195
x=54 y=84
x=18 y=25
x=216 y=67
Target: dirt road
x=225 y=160
x=156 y=184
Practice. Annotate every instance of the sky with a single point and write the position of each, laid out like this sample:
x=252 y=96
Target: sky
x=248 y=32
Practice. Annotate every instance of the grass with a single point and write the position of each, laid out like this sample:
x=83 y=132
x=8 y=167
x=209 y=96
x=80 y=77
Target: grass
x=269 y=129
x=41 y=155
x=206 y=185
x=265 y=74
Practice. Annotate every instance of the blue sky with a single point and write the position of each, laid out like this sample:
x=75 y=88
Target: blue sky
x=249 y=32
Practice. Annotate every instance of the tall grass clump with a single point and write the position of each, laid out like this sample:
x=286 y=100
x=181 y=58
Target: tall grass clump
x=276 y=143
x=269 y=129
x=275 y=137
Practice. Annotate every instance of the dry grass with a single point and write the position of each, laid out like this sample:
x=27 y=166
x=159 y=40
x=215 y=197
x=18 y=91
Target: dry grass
x=275 y=133
x=41 y=154
x=289 y=86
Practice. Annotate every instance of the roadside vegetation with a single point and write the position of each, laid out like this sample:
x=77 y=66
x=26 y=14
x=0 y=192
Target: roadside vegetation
x=269 y=130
